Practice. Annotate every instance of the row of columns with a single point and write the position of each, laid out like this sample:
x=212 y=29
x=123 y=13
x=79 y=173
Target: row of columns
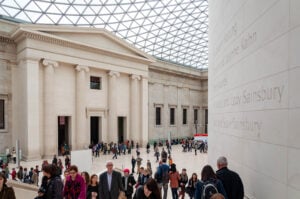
x=79 y=137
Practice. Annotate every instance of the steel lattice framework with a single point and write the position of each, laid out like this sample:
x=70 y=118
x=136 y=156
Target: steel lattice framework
x=170 y=30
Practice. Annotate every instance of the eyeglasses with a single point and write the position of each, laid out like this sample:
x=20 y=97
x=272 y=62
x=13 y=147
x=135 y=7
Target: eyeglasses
x=72 y=172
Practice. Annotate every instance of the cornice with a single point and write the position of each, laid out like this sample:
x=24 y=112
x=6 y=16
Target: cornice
x=162 y=70
x=35 y=36
x=4 y=39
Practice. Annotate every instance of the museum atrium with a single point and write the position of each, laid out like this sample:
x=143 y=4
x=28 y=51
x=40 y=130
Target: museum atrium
x=229 y=68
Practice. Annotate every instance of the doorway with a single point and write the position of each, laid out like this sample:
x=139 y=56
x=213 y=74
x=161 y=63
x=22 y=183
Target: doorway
x=121 y=129
x=95 y=130
x=63 y=134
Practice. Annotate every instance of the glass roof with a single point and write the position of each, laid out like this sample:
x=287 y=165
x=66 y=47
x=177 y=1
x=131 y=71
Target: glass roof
x=170 y=30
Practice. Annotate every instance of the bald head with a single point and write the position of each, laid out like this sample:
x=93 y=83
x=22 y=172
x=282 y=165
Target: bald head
x=222 y=162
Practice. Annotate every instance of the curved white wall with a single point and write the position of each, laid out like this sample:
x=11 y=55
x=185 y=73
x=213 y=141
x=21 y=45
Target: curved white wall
x=254 y=95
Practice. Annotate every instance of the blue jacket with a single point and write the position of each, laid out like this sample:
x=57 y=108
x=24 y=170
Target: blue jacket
x=164 y=168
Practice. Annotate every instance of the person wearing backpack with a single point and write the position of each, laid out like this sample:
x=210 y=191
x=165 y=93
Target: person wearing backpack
x=209 y=184
x=162 y=177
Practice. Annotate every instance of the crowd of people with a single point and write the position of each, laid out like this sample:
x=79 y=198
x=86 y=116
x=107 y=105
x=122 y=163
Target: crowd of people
x=149 y=183
x=117 y=149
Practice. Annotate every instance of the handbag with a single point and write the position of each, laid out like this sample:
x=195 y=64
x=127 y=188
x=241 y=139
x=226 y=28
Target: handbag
x=122 y=195
x=188 y=190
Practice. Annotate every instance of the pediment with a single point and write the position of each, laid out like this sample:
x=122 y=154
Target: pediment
x=97 y=38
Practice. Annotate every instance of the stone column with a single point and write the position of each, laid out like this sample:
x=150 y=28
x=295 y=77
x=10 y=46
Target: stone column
x=14 y=108
x=28 y=123
x=112 y=105
x=82 y=136
x=144 y=111
x=50 y=118
x=134 y=109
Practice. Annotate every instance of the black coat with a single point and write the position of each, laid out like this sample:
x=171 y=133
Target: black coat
x=132 y=181
x=54 y=188
x=232 y=183
x=91 y=189
x=116 y=186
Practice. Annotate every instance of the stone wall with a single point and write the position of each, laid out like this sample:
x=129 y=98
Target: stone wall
x=7 y=62
x=172 y=86
x=254 y=70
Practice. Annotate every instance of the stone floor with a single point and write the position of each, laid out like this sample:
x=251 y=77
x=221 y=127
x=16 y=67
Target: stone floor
x=188 y=160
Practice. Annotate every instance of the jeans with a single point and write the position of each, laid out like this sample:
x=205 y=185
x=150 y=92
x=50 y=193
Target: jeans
x=165 y=188
x=174 y=193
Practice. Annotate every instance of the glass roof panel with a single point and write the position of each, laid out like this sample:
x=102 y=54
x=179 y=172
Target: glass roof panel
x=170 y=30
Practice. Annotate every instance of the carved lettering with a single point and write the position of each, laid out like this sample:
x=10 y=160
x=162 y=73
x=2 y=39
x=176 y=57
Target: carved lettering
x=245 y=42
x=251 y=96
x=239 y=123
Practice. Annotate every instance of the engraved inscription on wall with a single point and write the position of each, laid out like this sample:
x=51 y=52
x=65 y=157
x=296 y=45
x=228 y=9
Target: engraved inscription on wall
x=252 y=96
x=244 y=124
x=244 y=43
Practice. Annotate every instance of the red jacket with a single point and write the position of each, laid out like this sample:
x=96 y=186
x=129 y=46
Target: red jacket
x=13 y=174
x=174 y=179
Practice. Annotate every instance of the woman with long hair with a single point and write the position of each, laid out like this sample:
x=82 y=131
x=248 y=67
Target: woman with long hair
x=209 y=184
x=93 y=189
x=190 y=189
x=86 y=178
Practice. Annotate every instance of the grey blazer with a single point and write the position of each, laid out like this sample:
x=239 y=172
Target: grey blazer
x=116 y=186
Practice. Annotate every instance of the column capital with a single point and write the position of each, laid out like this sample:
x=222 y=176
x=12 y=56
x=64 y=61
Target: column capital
x=82 y=68
x=135 y=77
x=114 y=73
x=48 y=62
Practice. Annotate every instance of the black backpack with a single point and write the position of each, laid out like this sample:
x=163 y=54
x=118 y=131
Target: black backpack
x=209 y=188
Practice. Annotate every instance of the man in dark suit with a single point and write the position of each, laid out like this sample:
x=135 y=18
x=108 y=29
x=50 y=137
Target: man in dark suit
x=128 y=181
x=110 y=183
x=231 y=181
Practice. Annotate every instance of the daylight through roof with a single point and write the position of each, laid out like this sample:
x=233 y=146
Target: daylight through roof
x=170 y=30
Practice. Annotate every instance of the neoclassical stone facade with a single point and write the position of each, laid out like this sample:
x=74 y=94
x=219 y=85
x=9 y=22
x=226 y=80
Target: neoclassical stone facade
x=183 y=90
x=76 y=86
